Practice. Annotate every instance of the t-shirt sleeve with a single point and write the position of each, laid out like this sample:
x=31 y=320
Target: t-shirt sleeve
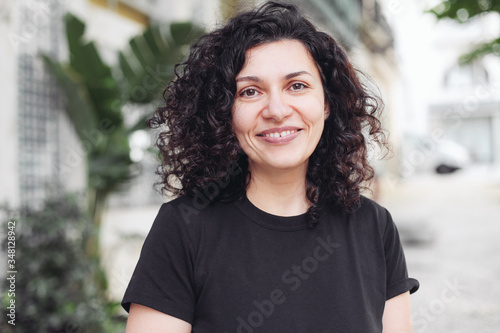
x=163 y=278
x=398 y=281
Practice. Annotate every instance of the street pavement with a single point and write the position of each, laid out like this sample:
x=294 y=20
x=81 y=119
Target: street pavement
x=450 y=225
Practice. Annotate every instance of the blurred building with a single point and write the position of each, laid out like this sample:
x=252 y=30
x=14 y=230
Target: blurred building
x=450 y=111
x=9 y=191
x=466 y=103
x=40 y=151
x=29 y=128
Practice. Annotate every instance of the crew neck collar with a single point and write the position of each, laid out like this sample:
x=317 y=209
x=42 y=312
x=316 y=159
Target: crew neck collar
x=270 y=221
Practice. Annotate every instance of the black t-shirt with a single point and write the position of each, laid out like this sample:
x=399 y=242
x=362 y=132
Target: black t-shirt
x=231 y=267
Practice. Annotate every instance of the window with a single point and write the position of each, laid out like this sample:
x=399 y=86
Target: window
x=466 y=76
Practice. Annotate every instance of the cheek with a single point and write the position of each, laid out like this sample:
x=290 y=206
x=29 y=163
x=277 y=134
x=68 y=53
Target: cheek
x=315 y=112
x=239 y=124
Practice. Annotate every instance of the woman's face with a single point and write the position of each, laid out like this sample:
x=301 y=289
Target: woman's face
x=279 y=109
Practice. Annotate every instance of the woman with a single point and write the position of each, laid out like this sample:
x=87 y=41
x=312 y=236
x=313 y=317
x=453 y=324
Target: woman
x=262 y=143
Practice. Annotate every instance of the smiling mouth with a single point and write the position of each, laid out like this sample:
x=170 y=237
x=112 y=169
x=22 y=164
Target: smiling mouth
x=280 y=134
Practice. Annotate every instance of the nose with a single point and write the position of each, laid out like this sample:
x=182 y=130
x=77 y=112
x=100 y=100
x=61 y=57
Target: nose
x=277 y=107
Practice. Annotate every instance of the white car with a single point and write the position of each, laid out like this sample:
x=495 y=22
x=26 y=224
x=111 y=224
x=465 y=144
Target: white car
x=420 y=154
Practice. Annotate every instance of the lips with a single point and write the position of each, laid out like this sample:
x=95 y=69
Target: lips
x=279 y=135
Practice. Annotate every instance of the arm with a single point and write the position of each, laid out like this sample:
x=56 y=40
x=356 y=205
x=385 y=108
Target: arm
x=144 y=319
x=397 y=315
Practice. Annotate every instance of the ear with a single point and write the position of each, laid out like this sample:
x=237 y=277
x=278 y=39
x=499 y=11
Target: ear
x=327 y=111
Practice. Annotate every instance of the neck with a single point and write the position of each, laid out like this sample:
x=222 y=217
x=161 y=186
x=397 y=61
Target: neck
x=279 y=192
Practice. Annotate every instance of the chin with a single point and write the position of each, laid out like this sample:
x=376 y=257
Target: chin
x=286 y=165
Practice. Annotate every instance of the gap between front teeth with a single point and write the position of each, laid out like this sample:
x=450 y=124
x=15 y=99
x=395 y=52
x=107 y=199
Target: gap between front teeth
x=279 y=135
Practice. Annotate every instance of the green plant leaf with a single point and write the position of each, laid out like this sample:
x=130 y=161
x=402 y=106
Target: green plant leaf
x=451 y=9
x=79 y=107
x=147 y=63
x=464 y=11
x=96 y=75
x=492 y=47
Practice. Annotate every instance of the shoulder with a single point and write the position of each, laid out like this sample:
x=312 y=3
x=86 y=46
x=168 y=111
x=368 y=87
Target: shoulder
x=193 y=211
x=179 y=209
x=197 y=221
x=371 y=215
x=174 y=227
x=368 y=206
x=169 y=219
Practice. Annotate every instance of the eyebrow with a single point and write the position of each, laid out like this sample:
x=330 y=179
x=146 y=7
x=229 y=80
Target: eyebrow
x=294 y=74
x=249 y=78
x=257 y=79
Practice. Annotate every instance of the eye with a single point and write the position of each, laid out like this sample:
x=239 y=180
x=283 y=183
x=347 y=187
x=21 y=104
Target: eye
x=250 y=92
x=298 y=86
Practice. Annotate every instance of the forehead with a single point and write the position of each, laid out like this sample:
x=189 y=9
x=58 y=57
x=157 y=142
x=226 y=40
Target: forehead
x=279 y=57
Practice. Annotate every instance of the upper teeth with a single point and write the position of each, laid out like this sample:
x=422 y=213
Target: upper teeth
x=280 y=134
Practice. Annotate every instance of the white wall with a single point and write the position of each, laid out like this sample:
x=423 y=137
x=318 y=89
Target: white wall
x=122 y=235
x=418 y=61
x=9 y=182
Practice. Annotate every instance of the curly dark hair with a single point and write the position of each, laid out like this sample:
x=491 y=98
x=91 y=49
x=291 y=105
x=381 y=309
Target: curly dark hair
x=198 y=146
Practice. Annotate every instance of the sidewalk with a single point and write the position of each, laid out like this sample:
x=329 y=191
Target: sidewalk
x=453 y=223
